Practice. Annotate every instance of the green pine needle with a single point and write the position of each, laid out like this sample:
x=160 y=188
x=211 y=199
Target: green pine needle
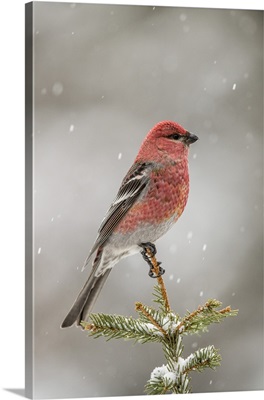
x=164 y=326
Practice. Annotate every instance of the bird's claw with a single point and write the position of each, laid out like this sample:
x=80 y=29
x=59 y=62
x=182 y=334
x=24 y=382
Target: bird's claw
x=150 y=247
x=152 y=273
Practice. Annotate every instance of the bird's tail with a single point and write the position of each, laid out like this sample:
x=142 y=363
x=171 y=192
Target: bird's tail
x=86 y=299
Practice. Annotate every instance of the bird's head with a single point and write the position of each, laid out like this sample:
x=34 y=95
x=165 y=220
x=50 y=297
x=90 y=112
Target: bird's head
x=169 y=138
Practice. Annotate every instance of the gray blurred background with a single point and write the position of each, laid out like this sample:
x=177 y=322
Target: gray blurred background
x=103 y=76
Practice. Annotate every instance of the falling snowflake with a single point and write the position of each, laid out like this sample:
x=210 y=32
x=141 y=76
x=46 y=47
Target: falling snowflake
x=189 y=235
x=57 y=88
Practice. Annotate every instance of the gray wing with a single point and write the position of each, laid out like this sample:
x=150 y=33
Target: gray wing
x=131 y=188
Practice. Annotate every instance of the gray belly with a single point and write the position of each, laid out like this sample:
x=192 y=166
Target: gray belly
x=120 y=246
x=144 y=233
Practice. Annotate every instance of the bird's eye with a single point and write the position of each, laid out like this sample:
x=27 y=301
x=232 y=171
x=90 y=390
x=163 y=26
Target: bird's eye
x=174 y=136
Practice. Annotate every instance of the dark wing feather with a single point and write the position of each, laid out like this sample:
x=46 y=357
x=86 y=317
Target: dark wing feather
x=131 y=188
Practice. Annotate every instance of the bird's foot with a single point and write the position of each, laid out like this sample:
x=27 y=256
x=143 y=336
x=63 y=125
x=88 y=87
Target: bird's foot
x=148 y=246
x=152 y=273
x=148 y=252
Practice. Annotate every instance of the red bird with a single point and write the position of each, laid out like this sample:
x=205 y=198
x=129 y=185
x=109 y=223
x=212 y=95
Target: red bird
x=151 y=198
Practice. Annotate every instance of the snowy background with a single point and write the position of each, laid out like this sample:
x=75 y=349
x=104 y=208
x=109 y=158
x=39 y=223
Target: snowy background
x=104 y=75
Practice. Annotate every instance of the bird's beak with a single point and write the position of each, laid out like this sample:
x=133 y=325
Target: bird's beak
x=190 y=138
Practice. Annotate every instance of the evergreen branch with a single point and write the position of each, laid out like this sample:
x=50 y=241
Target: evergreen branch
x=148 y=313
x=205 y=315
x=162 y=288
x=201 y=359
x=164 y=379
x=175 y=378
x=117 y=327
x=172 y=348
x=164 y=326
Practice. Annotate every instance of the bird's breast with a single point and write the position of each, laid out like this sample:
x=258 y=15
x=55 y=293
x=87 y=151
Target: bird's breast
x=163 y=200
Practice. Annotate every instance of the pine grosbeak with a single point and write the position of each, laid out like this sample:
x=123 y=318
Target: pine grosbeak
x=151 y=198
